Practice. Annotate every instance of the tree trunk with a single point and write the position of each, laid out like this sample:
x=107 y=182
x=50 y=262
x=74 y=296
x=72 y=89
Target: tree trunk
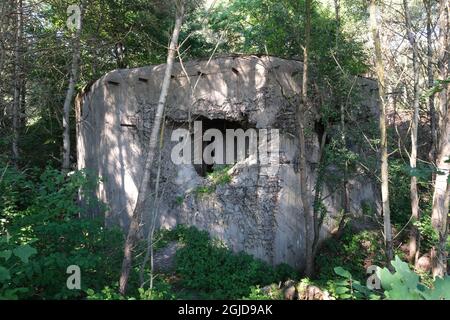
x=414 y=249
x=4 y=23
x=441 y=199
x=441 y=196
x=318 y=186
x=17 y=82
x=23 y=96
x=443 y=65
x=152 y=218
x=301 y=118
x=69 y=96
x=346 y=204
x=383 y=138
x=143 y=189
x=430 y=75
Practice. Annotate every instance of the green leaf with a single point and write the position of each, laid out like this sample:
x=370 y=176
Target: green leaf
x=342 y=283
x=11 y=294
x=342 y=290
x=24 y=252
x=4 y=274
x=5 y=239
x=386 y=278
x=5 y=254
x=401 y=292
x=403 y=284
x=342 y=272
x=410 y=278
x=441 y=290
x=364 y=290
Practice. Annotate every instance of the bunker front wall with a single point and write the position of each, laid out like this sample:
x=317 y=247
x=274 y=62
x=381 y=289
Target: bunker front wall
x=258 y=208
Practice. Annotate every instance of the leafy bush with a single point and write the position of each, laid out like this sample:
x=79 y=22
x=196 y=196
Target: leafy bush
x=162 y=290
x=107 y=293
x=428 y=234
x=400 y=201
x=207 y=267
x=404 y=284
x=42 y=209
x=400 y=179
x=13 y=259
x=350 y=252
x=256 y=293
x=349 y=288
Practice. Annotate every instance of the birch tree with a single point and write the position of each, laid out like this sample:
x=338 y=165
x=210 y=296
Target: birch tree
x=17 y=81
x=441 y=198
x=4 y=24
x=301 y=118
x=414 y=234
x=140 y=206
x=441 y=195
x=379 y=66
x=443 y=64
x=430 y=76
x=73 y=78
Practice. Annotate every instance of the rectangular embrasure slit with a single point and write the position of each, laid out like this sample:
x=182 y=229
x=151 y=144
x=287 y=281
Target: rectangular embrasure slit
x=114 y=83
x=129 y=125
x=143 y=80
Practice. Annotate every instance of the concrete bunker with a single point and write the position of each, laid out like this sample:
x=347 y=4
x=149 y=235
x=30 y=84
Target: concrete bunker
x=259 y=210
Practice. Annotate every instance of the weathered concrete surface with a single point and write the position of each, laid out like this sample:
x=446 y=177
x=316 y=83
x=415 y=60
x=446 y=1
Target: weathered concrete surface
x=257 y=211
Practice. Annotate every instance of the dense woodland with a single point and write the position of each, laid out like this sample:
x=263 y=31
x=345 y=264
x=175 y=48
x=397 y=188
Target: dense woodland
x=402 y=44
